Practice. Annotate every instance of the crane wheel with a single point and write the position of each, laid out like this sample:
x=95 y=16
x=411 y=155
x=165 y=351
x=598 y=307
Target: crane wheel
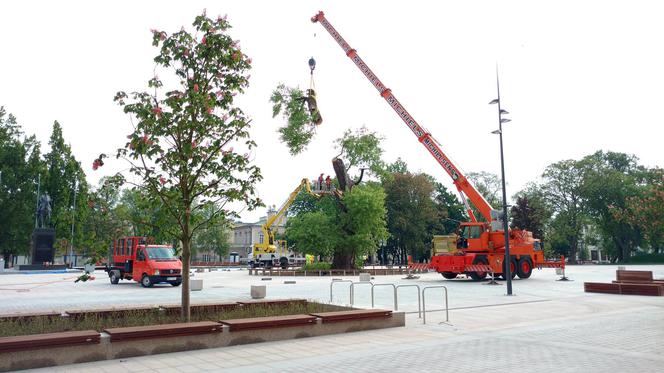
x=513 y=269
x=477 y=276
x=525 y=267
x=449 y=275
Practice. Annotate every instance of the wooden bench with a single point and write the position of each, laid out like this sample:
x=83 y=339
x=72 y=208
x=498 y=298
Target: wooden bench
x=337 y=316
x=268 y=322
x=49 y=340
x=164 y=330
x=640 y=276
x=624 y=288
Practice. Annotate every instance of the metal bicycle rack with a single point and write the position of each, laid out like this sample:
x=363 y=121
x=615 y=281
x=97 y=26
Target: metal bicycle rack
x=396 y=306
x=419 y=302
x=424 y=307
x=352 y=290
x=335 y=282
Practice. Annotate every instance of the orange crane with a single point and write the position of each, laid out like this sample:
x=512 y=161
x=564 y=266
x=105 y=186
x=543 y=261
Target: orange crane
x=480 y=244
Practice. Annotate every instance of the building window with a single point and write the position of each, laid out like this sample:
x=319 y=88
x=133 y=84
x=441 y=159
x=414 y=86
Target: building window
x=260 y=238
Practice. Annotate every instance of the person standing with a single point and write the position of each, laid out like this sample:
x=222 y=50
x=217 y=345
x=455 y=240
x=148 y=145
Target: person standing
x=320 y=181
x=328 y=182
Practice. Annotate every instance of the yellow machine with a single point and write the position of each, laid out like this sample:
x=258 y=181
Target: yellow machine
x=444 y=244
x=273 y=252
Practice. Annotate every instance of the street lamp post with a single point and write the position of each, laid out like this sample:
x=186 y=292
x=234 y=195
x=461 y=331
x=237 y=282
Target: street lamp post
x=507 y=261
x=73 y=217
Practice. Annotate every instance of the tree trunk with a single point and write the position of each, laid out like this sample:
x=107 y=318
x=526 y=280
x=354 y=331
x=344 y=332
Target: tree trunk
x=186 y=256
x=343 y=260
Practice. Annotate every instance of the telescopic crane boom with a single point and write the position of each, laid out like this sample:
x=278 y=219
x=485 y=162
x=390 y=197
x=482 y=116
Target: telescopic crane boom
x=465 y=188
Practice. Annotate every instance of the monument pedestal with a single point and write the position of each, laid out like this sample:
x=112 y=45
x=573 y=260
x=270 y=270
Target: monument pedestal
x=43 y=240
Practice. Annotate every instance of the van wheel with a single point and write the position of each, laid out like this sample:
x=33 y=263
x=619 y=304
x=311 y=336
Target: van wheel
x=176 y=283
x=114 y=277
x=146 y=282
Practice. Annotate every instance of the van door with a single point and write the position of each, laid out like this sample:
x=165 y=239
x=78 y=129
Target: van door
x=140 y=264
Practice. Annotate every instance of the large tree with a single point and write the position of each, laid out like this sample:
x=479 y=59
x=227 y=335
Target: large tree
x=412 y=215
x=347 y=231
x=530 y=210
x=490 y=187
x=562 y=186
x=190 y=143
x=644 y=210
x=64 y=180
x=609 y=180
x=20 y=164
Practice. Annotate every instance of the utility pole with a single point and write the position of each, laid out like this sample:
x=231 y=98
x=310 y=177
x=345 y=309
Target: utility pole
x=73 y=216
x=37 y=206
x=508 y=260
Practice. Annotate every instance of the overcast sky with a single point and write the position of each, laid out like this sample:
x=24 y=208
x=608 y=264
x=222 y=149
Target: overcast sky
x=576 y=77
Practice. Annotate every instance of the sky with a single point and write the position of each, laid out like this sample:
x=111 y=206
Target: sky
x=576 y=77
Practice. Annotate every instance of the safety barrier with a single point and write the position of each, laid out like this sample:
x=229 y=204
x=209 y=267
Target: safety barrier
x=419 y=302
x=335 y=282
x=396 y=306
x=352 y=290
x=424 y=307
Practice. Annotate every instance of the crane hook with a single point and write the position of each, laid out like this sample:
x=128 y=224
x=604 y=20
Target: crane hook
x=312 y=65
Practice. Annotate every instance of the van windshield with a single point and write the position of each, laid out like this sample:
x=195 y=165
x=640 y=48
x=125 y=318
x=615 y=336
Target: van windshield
x=161 y=253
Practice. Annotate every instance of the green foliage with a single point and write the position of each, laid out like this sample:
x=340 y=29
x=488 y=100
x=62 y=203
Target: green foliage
x=644 y=211
x=20 y=165
x=361 y=149
x=610 y=180
x=346 y=230
x=317 y=266
x=412 y=215
x=451 y=211
x=642 y=258
x=321 y=241
x=530 y=211
x=299 y=130
x=562 y=186
x=63 y=175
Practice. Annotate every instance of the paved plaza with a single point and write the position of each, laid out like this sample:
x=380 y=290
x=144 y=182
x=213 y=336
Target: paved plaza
x=547 y=326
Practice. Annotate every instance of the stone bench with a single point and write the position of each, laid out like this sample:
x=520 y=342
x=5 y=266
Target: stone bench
x=269 y=322
x=164 y=330
x=49 y=340
x=337 y=316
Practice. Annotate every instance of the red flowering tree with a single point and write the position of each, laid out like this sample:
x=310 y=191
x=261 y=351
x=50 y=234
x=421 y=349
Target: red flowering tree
x=189 y=149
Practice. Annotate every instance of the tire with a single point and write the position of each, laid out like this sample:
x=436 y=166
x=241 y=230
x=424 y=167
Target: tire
x=114 y=277
x=449 y=275
x=176 y=283
x=146 y=282
x=525 y=267
x=477 y=276
x=513 y=268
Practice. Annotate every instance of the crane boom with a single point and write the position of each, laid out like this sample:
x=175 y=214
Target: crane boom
x=464 y=186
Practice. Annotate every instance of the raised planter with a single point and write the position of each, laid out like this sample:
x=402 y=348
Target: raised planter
x=156 y=339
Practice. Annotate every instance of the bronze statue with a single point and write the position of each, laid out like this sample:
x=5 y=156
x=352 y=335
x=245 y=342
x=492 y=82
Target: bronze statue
x=44 y=210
